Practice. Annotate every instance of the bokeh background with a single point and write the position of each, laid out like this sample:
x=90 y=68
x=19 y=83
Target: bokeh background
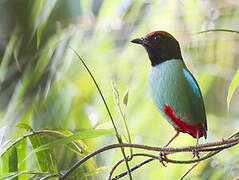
x=43 y=85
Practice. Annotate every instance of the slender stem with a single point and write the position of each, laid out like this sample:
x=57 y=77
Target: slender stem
x=121 y=160
x=126 y=127
x=98 y=88
x=107 y=108
x=133 y=168
x=218 y=30
x=126 y=161
x=188 y=171
x=114 y=168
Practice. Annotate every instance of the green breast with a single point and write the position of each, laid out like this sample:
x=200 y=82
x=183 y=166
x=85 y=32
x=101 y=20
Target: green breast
x=168 y=85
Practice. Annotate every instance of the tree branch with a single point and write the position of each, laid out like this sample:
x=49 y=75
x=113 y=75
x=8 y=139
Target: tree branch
x=134 y=168
x=223 y=144
x=197 y=161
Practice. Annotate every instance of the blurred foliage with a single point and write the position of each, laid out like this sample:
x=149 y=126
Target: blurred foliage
x=45 y=87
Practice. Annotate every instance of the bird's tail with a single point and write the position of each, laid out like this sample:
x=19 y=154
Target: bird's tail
x=204 y=131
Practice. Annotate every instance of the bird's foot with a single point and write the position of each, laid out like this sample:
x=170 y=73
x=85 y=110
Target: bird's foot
x=162 y=157
x=195 y=151
x=195 y=154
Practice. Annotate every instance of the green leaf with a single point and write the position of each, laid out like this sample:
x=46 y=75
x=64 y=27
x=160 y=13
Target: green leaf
x=125 y=97
x=234 y=84
x=25 y=126
x=46 y=159
x=21 y=154
x=40 y=14
x=77 y=146
x=39 y=33
x=9 y=162
x=115 y=93
x=87 y=134
x=37 y=175
x=39 y=145
x=7 y=57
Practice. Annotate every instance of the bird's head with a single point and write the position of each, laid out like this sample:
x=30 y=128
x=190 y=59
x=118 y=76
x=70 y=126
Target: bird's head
x=161 y=46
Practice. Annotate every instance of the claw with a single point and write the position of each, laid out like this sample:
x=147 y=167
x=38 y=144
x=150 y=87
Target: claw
x=195 y=151
x=195 y=154
x=161 y=157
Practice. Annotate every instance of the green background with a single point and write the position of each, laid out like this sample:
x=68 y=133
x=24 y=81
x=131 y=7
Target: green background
x=43 y=85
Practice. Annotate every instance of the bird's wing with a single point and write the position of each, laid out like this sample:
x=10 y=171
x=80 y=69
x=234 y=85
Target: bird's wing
x=196 y=99
x=192 y=82
x=186 y=108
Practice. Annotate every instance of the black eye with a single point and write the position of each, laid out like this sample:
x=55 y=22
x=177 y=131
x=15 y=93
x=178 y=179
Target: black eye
x=156 y=37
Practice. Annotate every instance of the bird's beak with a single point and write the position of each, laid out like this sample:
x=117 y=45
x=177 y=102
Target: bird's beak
x=142 y=41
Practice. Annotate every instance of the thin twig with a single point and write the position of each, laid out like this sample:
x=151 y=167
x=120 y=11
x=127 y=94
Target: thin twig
x=98 y=88
x=188 y=171
x=218 y=30
x=133 y=155
x=114 y=168
x=219 y=148
x=133 y=168
x=170 y=161
x=208 y=155
x=197 y=161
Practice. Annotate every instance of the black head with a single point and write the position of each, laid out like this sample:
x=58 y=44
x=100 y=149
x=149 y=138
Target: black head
x=161 y=46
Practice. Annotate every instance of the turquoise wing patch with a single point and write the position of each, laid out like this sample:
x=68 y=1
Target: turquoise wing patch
x=192 y=83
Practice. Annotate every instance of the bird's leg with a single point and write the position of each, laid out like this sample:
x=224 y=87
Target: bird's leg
x=195 y=152
x=163 y=154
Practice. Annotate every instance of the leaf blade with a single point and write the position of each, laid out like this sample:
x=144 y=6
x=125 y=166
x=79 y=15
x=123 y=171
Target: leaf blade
x=87 y=134
x=234 y=84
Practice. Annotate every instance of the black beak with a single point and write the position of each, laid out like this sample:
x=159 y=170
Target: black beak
x=142 y=41
x=138 y=41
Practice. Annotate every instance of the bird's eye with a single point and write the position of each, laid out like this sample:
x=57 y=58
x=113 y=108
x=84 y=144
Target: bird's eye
x=156 y=37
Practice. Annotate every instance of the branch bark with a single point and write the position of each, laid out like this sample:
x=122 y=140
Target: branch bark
x=208 y=155
x=223 y=144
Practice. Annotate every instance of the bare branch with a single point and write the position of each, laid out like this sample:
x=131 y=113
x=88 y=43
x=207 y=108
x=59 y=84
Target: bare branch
x=208 y=155
x=200 y=148
x=166 y=160
x=132 y=169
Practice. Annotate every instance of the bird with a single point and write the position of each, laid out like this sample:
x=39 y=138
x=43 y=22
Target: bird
x=174 y=90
